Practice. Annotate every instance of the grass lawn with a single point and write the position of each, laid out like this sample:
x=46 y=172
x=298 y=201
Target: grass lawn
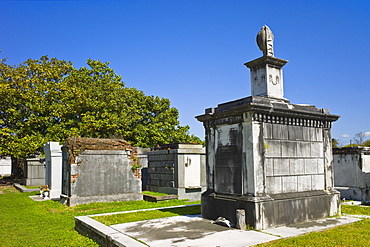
x=147 y=215
x=24 y=222
x=355 y=234
x=151 y=193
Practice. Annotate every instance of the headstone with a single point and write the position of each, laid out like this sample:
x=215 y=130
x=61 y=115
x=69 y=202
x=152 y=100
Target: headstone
x=53 y=168
x=178 y=169
x=352 y=172
x=267 y=156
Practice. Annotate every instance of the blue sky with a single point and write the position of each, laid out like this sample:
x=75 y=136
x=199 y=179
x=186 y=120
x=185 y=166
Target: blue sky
x=193 y=51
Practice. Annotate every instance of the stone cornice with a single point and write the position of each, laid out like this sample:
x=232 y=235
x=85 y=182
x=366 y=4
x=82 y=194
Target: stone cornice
x=269 y=110
x=262 y=61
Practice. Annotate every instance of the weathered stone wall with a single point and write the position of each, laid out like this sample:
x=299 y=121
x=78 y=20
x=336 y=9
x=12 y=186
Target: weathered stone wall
x=352 y=173
x=99 y=170
x=161 y=170
x=294 y=158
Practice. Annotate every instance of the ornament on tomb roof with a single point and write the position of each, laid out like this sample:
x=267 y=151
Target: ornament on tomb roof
x=265 y=41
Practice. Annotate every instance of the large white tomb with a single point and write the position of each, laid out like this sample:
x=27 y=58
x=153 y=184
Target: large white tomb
x=267 y=156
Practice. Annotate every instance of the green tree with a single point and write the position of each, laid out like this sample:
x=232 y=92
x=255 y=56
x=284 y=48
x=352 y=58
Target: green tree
x=26 y=94
x=335 y=143
x=49 y=100
x=366 y=143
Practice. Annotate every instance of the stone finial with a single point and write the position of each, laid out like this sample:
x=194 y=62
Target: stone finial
x=265 y=41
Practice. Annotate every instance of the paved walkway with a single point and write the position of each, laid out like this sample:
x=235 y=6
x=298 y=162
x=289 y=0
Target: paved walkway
x=181 y=231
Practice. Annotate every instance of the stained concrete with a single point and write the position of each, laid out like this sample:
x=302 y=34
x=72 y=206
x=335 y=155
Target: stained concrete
x=189 y=231
x=194 y=231
x=182 y=231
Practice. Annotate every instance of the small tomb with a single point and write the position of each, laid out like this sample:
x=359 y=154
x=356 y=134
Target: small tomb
x=352 y=173
x=177 y=169
x=99 y=170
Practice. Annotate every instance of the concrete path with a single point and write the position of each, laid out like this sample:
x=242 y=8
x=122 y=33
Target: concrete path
x=181 y=231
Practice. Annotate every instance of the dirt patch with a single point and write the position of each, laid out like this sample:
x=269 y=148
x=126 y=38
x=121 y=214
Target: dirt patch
x=8 y=181
x=7 y=188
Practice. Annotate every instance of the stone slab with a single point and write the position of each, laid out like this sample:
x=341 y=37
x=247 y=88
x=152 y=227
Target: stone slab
x=181 y=231
x=104 y=235
x=151 y=198
x=190 y=231
x=23 y=189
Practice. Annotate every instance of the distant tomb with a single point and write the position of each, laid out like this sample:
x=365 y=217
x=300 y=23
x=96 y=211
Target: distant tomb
x=178 y=169
x=5 y=166
x=99 y=170
x=34 y=171
x=267 y=156
x=352 y=172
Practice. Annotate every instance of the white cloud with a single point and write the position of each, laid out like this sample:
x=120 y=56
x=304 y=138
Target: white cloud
x=345 y=135
x=367 y=133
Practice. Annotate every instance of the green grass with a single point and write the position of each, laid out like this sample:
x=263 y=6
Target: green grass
x=147 y=215
x=354 y=210
x=31 y=187
x=24 y=222
x=355 y=234
x=151 y=193
x=28 y=223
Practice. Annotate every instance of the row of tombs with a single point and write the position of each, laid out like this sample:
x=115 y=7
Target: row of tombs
x=86 y=170
x=102 y=173
x=264 y=155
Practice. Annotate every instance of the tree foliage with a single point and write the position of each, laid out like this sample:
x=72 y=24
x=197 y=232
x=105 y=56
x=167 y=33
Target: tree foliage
x=50 y=100
x=366 y=143
x=335 y=143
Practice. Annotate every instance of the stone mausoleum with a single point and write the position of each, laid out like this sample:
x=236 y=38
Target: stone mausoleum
x=266 y=155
